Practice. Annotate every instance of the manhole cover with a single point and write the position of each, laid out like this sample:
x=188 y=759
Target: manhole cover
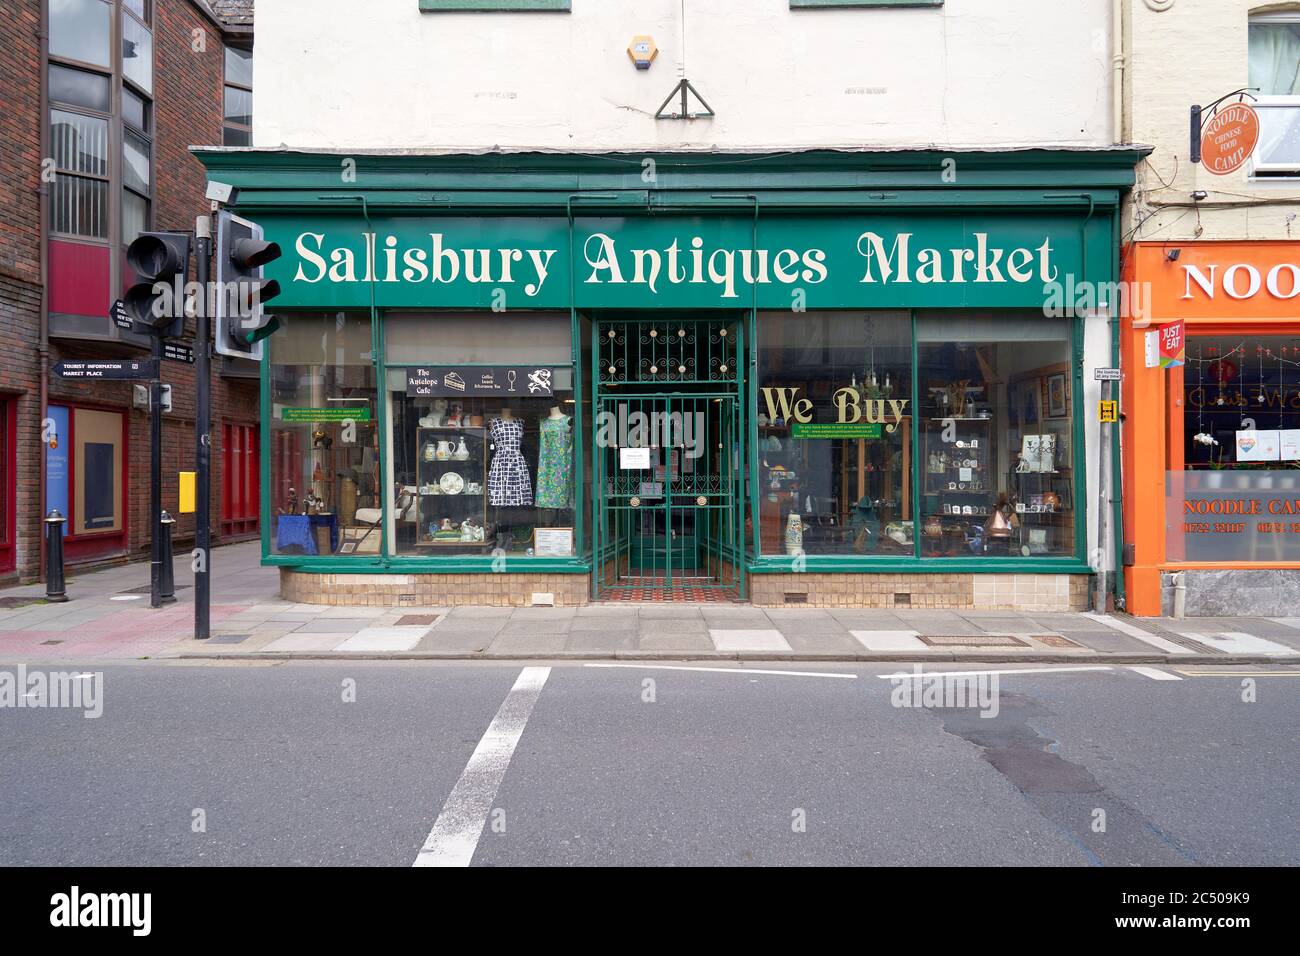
x=972 y=640
x=411 y=620
x=19 y=601
x=229 y=638
x=146 y=588
x=48 y=643
x=1055 y=640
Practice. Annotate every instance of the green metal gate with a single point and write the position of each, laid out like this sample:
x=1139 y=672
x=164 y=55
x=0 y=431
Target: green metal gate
x=668 y=458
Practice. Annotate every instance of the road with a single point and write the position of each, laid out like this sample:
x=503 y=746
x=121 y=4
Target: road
x=271 y=763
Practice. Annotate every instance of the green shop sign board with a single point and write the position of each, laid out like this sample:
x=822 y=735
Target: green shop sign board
x=833 y=430
x=850 y=260
x=312 y=415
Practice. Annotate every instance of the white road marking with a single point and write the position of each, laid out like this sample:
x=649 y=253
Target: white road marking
x=456 y=832
x=1169 y=647
x=1154 y=673
x=891 y=641
x=1237 y=642
x=730 y=670
x=737 y=639
x=1009 y=672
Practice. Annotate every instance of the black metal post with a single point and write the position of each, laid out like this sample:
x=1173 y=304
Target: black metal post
x=55 y=588
x=168 y=579
x=202 y=439
x=1196 y=134
x=155 y=474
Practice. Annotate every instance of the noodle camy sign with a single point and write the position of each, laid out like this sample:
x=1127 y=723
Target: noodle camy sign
x=1234 y=515
x=1229 y=138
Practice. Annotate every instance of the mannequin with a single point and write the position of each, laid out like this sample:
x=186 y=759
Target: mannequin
x=506 y=414
x=556 y=412
x=555 y=461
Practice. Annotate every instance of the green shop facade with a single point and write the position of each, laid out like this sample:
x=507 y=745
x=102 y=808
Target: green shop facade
x=832 y=378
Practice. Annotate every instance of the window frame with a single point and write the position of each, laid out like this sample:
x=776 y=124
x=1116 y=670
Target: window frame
x=227 y=83
x=1259 y=170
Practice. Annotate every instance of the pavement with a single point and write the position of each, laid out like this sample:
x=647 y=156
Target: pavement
x=109 y=618
x=636 y=763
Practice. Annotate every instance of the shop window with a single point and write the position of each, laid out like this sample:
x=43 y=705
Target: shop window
x=1234 y=473
x=1274 y=44
x=325 y=484
x=239 y=479
x=481 y=450
x=996 y=416
x=835 y=433
x=97 y=453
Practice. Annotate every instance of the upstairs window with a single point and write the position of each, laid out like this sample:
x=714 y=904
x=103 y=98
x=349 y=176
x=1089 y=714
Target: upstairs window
x=1275 y=73
x=238 y=109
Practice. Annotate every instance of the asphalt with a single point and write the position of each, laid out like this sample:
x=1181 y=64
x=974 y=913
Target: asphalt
x=627 y=763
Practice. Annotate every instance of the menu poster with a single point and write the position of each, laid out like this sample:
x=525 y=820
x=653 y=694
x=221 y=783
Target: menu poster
x=1289 y=443
x=1258 y=446
x=553 y=542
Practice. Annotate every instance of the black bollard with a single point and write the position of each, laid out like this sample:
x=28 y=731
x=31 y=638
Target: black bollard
x=167 y=578
x=55 y=588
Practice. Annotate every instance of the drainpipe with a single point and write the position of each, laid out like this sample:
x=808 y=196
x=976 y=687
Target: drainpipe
x=43 y=348
x=1118 y=61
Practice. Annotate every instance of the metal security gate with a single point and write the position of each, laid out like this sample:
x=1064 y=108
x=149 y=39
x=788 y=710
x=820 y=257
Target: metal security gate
x=668 y=459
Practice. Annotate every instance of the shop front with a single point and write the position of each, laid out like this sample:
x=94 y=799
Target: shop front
x=1212 y=428
x=832 y=379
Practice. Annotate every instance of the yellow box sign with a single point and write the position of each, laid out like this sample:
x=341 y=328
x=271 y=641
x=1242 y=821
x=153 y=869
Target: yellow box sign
x=187 y=492
x=1108 y=411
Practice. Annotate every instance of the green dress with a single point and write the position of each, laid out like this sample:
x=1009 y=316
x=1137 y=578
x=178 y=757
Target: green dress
x=555 y=464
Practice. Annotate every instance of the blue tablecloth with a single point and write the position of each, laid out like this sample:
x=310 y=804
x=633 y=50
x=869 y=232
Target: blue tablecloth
x=298 y=531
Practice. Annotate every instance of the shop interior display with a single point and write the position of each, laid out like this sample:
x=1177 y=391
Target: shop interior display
x=483 y=479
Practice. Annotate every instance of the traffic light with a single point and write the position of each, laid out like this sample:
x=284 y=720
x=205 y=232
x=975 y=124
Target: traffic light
x=242 y=321
x=158 y=257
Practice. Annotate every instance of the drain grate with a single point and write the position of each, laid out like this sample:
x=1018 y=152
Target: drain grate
x=147 y=588
x=1055 y=640
x=12 y=602
x=48 y=643
x=972 y=640
x=411 y=620
x=229 y=638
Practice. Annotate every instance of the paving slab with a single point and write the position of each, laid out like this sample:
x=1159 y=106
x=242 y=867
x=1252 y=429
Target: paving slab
x=751 y=639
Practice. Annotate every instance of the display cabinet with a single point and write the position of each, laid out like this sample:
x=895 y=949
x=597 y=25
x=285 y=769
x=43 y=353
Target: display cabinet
x=451 y=487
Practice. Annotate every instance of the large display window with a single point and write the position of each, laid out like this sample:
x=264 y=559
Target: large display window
x=1234 y=479
x=835 y=433
x=481 y=435
x=325 y=489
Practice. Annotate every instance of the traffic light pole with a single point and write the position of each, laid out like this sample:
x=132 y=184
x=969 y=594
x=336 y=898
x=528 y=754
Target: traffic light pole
x=202 y=439
x=155 y=476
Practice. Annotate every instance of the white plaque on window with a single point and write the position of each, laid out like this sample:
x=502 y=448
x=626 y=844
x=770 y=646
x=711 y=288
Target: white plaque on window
x=633 y=459
x=1289 y=441
x=553 y=542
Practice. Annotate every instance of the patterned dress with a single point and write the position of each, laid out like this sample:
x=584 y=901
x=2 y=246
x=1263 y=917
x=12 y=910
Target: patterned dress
x=555 y=464
x=508 y=483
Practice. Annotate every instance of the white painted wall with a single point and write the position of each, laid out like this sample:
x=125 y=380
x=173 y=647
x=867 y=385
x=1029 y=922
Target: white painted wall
x=381 y=75
x=1184 y=52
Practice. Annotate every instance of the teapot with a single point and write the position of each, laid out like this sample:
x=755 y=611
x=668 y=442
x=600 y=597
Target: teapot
x=444 y=450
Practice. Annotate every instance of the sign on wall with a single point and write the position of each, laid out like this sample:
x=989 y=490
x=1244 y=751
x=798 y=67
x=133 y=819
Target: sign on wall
x=480 y=381
x=1229 y=138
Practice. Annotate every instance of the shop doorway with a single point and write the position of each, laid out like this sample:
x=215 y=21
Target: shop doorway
x=668 y=458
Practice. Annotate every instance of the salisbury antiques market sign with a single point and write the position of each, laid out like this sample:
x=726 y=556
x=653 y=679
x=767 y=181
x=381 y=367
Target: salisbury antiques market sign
x=510 y=263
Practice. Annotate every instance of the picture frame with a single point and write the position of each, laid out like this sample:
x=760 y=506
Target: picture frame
x=1057 y=402
x=553 y=542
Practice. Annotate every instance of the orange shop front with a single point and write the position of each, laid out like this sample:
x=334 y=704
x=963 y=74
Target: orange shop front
x=1211 y=446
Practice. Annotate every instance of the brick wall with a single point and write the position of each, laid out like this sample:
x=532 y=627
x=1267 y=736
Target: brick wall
x=1032 y=592
x=188 y=111
x=431 y=590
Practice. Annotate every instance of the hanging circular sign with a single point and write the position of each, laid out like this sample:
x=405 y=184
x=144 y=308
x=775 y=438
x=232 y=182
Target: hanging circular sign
x=1229 y=138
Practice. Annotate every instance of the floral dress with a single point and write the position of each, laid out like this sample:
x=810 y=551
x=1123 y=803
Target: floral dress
x=508 y=483
x=555 y=464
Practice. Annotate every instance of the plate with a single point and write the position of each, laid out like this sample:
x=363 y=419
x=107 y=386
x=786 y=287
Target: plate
x=451 y=483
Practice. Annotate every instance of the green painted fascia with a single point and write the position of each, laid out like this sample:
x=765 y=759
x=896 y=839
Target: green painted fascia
x=494 y=6
x=398 y=564
x=856 y=564
x=515 y=178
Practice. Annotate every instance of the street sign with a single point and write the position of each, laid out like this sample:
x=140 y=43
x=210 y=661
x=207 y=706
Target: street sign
x=1106 y=374
x=119 y=370
x=1108 y=411
x=177 y=352
x=117 y=312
